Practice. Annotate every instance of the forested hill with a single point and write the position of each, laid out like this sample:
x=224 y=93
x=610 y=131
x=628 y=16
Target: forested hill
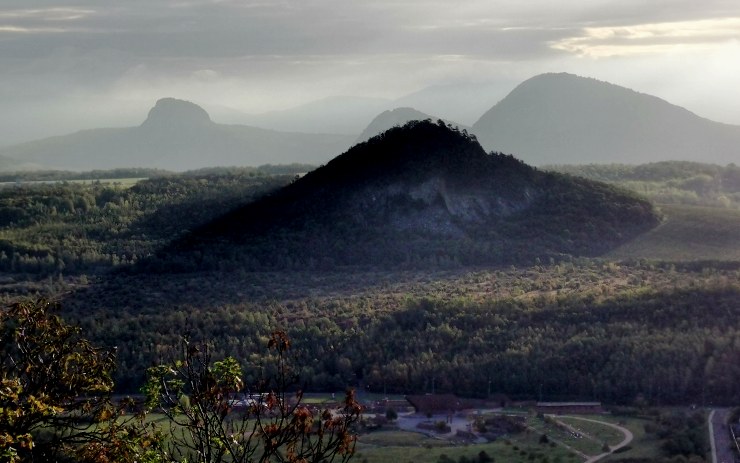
x=419 y=195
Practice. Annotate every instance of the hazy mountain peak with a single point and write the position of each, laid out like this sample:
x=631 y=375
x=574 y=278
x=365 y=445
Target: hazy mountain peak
x=397 y=117
x=391 y=118
x=171 y=112
x=177 y=135
x=567 y=119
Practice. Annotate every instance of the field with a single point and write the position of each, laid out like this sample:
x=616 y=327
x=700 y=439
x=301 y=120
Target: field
x=115 y=182
x=402 y=447
x=688 y=233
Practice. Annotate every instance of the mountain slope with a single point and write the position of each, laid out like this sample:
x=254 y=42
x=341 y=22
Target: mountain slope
x=177 y=135
x=10 y=165
x=566 y=119
x=418 y=195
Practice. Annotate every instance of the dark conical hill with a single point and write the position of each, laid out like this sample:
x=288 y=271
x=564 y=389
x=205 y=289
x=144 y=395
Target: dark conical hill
x=421 y=194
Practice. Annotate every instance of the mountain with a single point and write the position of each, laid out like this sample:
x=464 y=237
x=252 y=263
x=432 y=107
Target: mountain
x=177 y=135
x=423 y=194
x=350 y=114
x=566 y=119
x=462 y=102
x=337 y=114
x=394 y=117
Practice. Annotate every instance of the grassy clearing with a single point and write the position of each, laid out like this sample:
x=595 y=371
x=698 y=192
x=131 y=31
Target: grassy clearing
x=561 y=435
x=395 y=438
x=122 y=182
x=642 y=446
x=599 y=432
x=688 y=233
x=522 y=448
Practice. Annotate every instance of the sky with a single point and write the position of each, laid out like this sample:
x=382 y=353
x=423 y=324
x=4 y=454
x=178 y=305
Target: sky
x=68 y=65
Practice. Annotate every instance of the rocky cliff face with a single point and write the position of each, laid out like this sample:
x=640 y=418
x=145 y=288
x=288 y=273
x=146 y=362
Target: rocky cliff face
x=436 y=207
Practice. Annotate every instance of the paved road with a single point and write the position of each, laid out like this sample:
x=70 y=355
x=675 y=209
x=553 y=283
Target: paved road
x=722 y=445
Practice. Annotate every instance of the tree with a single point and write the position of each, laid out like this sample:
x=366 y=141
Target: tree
x=55 y=404
x=53 y=384
x=214 y=416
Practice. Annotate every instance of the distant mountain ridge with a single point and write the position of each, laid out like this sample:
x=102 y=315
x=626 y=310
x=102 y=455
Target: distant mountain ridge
x=567 y=119
x=339 y=114
x=420 y=194
x=177 y=135
x=548 y=119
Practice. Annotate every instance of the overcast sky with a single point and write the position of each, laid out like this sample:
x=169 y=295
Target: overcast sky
x=75 y=64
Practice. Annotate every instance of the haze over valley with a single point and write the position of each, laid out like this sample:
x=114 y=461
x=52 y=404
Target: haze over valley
x=548 y=119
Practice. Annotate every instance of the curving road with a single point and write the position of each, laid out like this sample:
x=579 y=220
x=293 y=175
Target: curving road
x=628 y=436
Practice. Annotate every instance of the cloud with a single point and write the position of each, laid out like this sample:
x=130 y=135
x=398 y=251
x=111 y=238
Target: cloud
x=46 y=14
x=607 y=41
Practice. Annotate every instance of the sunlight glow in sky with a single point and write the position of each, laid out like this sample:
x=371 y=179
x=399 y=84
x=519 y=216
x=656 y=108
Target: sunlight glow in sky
x=68 y=65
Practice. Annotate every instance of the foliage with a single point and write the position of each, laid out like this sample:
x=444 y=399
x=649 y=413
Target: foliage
x=681 y=433
x=216 y=417
x=76 y=228
x=54 y=384
x=55 y=404
x=582 y=331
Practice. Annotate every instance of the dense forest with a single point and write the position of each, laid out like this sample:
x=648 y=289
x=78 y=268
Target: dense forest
x=580 y=330
x=565 y=328
x=84 y=228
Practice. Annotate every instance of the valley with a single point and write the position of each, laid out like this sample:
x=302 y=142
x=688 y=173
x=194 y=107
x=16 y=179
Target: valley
x=413 y=263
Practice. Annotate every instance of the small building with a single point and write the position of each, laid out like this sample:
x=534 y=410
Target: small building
x=434 y=403
x=441 y=403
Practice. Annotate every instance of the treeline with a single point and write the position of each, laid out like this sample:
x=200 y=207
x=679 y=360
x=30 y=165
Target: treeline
x=75 y=228
x=669 y=182
x=611 y=333
x=65 y=175
x=142 y=172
